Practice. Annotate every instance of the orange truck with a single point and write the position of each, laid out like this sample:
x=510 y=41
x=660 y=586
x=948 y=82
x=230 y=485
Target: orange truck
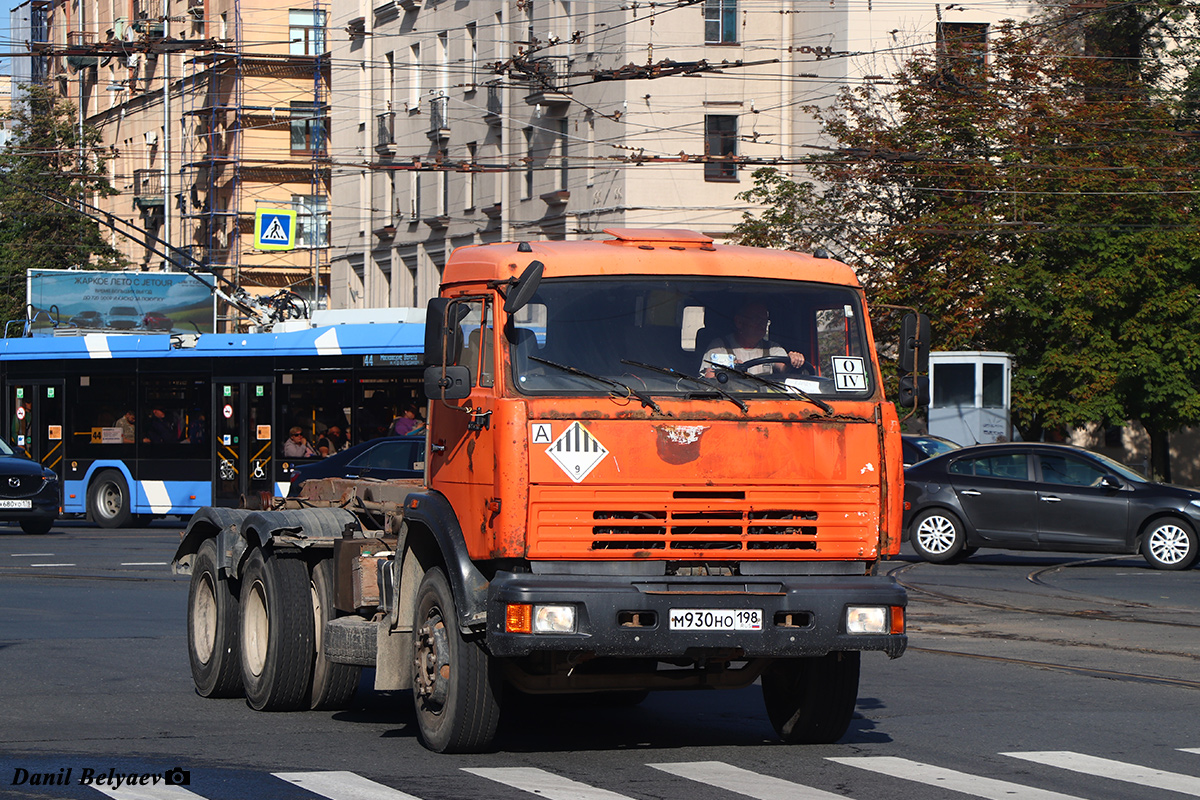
x=653 y=462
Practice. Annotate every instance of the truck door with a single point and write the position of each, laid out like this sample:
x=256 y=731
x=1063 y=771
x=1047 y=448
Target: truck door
x=243 y=472
x=36 y=409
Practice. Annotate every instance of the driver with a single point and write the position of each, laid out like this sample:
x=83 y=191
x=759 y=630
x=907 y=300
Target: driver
x=749 y=341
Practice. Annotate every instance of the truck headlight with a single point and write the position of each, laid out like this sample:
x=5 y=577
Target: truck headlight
x=874 y=619
x=525 y=618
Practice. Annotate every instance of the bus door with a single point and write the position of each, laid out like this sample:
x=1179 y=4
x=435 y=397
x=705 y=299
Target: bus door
x=242 y=443
x=36 y=426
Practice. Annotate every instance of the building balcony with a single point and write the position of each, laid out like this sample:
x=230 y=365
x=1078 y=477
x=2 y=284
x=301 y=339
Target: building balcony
x=148 y=189
x=547 y=78
x=439 y=120
x=148 y=18
x=81 y=47
x=385 y=133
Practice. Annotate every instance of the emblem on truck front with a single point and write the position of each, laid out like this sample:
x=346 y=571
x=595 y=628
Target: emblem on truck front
x=576 y=451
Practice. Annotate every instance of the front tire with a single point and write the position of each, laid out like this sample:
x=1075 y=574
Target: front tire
x=109 y=503
x=38 y=526
x=276 y=632
x=333 y=684
x=456 y=687
x=1169 y=543
x=938 y=536
x=213 y=628
x=812 y=700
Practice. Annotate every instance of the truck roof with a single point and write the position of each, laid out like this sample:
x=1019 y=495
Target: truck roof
x=633 y=251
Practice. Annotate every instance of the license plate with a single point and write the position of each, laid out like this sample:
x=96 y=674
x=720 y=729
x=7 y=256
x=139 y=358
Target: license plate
x=16 y=504
x=710 y=619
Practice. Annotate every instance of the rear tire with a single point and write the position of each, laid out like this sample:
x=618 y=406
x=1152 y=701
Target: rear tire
x=456 y=687
x=213 y=628
x=812 y=700
x=333 y=684
x=276 y=632
x=109 y=503
x=1169 y=543
x=37 y=527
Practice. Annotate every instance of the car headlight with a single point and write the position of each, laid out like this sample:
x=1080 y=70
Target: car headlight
x=1195 y=503
x=50 y=476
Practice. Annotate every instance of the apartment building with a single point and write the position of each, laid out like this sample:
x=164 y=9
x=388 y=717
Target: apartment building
x=478 y=121
x=210 y=109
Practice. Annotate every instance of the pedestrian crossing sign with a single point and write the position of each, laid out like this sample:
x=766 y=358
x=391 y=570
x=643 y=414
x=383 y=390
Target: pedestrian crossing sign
x=274 y=229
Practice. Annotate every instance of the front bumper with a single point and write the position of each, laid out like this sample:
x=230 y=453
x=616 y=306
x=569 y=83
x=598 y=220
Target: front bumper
x=627 y=617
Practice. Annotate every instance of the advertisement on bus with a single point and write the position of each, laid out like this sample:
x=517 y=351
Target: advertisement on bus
x=118 y=302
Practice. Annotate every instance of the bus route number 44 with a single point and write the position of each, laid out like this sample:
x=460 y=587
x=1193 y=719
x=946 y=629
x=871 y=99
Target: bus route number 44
x=707 y=619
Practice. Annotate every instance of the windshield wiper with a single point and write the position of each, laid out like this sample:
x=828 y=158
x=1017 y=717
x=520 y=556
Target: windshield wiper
x=646 y=399
x=674 y=373
x=788 y=389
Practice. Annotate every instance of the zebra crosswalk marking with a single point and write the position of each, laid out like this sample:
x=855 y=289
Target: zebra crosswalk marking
x=973 y=785
x=338 y=785
x=1116 y=770
x=159 y=792
x=543 y=783
x=744 y=782
x=1195 y=750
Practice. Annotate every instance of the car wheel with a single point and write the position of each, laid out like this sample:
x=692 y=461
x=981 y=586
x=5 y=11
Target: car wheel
x=37 y=526
x=937 y=536
x=108 y=500
x=1169 y=543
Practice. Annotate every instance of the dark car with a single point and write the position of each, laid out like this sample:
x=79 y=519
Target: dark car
x=157 y=321
x=918 y=447
x=87 y=319
x=386 y=458
x=29 y=494
x=1028 y=496
x=123 y=318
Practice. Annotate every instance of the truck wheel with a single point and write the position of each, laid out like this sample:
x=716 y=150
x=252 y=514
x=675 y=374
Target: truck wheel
x=109 y=503
x=938 y=536
x=213 y=628
x=333 y=684
x=811 y=700
x=276 y=632
x=456 y=687
x=1169 y=543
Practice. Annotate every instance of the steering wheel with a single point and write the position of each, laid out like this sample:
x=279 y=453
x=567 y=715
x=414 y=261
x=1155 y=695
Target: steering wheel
x=754 y=362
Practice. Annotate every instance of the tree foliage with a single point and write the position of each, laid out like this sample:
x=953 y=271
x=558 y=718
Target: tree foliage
x=1042 y=204
x=47 y=157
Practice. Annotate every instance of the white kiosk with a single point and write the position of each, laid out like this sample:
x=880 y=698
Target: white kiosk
x=970 y=396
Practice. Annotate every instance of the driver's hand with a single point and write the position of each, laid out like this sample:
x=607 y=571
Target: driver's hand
x=797 y=359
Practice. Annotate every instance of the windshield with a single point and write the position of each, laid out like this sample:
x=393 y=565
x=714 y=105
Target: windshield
x=1119 y=469
x=691 y=336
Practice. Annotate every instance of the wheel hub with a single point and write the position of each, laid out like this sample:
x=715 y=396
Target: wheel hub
x=1169 y=544
x=433 y=662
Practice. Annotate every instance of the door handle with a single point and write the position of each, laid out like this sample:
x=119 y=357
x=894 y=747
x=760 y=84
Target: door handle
x=970 y=493
x=1049 y=498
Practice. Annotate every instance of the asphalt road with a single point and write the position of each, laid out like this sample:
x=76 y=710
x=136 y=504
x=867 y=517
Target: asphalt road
x=1041 y=676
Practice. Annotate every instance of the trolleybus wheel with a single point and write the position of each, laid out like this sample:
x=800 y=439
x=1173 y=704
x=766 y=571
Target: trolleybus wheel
x=456 y=687
x=276 y=632
x=109 y=503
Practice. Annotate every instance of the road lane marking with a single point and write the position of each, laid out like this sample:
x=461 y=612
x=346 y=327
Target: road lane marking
x=544 y=784
x=143 y=563
x=342 y=786
x=49 y=565
x=1195 y=750
x=974 y=785
x=1116 y=770
x=147 y=792
x=744 y=782
x=30 y=555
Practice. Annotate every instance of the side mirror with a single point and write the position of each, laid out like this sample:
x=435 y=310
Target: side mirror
x=913 y=392
x=522 y=292
x=443 y=334
x=1111 y=482
x=914 y=343
x=447 y=382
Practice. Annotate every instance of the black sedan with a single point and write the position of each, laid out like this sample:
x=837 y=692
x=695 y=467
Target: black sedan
x=386 y=458
x=1024 y=496
x=29 y=494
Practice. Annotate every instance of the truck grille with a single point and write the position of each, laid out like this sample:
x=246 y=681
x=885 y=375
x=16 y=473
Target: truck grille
x=673 y=523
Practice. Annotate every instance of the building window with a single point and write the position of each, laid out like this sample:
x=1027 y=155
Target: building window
x=308 y=128
x=306 y=29
x=527 y=189
x=962 y=48
x=469 y=175
x=720 y=22
x=563 y=169
x=414 y=78
x=312 y=220
x=720 y=139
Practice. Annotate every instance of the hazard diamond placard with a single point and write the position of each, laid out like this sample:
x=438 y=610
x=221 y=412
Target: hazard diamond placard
x=274 y=229
x=576 y=451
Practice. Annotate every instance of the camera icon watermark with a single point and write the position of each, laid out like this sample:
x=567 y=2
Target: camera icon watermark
x=177 y=777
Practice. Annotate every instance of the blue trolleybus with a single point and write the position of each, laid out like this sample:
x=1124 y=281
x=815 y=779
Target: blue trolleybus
x=144 y=425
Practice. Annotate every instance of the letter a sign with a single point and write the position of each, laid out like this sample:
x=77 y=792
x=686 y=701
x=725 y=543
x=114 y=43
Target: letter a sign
x=274 y=229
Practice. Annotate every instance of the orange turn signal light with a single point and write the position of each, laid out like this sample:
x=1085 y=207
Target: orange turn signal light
x=897 y=619
x=518 y=618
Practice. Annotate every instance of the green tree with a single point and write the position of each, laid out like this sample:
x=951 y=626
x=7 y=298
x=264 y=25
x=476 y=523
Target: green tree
x=48 y=157
x=1043 y=205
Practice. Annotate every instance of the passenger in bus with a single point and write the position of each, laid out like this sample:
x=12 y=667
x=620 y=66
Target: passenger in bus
x=332 y=442
x=127 y=426
x=420 y=426
x=161 y=430
x=296 y=445
x=197 y=428
x=747 y=342
x=404 y=423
